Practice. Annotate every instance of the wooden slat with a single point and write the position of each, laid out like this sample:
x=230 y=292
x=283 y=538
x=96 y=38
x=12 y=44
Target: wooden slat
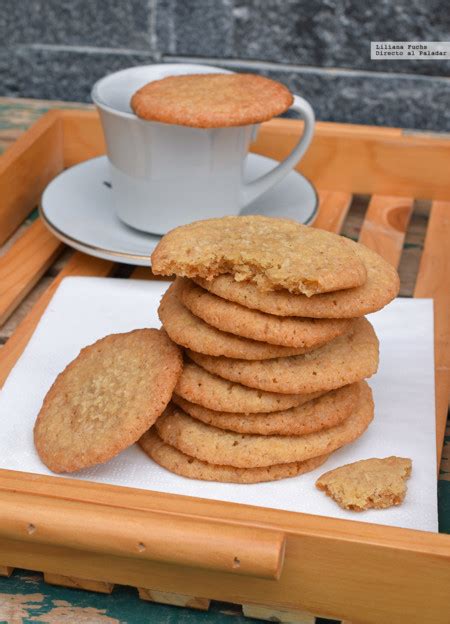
x=282 y=616
x=23 y=265
x=385 y=224
x=433 y=281
x=364 y=160
x=25 y=170
x=333 y=208
x=79 y=264
x=6 y=570
x=177 y=600
x=78 y=583
x=83 y=136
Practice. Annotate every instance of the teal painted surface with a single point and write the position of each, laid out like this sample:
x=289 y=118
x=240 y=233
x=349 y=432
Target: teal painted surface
x=33 y=216
x=444 y=485
x=444 y=506
x=20 y=116
x=26 y=599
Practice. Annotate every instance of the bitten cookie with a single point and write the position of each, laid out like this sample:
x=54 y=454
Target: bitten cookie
x=327 y=411
x=191 y=332
x=236 y=319
x=106 y=399
x=174 y=460
x=367 y=484
x=342 y=361
x=211 y=100
x=213 y=392
x=217 y=446
x=382 y=285
x=271 y=253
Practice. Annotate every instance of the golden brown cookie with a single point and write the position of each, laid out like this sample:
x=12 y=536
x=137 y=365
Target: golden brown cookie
x=106 y=399
x=325 y=412
x=217 y=446
x=272 y=253
x=211 y=100
x=174 y=460
x=343 y=361
x=191 y=332
x=381 y=287
x=198 y=386
x=367 y=484
x=236 y=319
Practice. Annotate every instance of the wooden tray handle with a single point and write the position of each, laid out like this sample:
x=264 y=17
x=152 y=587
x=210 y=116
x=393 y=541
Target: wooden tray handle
x=164 y=537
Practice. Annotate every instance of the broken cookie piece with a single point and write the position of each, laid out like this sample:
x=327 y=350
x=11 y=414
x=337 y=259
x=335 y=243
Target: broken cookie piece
x=367 y=484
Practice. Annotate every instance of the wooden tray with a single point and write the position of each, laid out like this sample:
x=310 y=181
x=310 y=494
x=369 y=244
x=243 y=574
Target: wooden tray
x=188 y=551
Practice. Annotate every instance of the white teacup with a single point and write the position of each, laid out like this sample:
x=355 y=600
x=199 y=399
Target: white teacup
x=167 y=175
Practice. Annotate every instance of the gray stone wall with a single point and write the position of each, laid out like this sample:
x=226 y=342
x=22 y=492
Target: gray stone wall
x=319 y=48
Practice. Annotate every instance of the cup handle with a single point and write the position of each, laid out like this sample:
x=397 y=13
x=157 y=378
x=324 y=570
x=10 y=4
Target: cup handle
x=254 y=189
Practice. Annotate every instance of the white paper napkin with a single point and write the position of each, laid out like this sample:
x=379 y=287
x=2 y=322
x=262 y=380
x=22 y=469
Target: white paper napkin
x=85 y=309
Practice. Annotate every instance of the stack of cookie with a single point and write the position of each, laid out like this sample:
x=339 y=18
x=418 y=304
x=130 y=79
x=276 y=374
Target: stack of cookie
x=271 y=316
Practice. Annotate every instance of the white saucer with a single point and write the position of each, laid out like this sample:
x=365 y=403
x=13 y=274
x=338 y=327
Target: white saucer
x=76 y=206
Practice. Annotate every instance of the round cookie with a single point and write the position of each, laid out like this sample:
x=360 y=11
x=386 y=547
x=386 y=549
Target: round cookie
x=174 y=460
x=106 y=398
x=211 y=100
x=381 y=287
x=198 y=386
x=236 y=319
x=270 y=252
x=325 y=412
x=217 y=446
x=191 y=332
x=343 y=361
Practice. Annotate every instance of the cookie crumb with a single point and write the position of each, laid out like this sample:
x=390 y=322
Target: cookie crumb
x=368 y=484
